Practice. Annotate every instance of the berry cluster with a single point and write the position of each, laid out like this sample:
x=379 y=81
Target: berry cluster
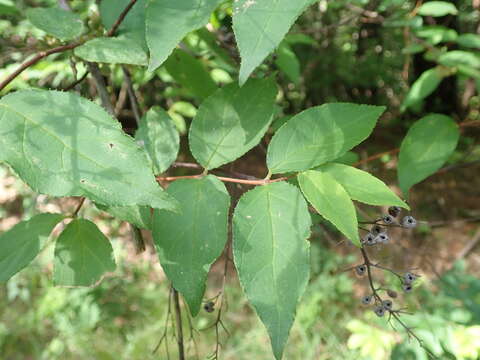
x=377 y=234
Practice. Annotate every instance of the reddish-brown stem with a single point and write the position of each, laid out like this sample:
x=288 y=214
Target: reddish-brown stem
x=79 y=206
x=224 y=179
x=35 y=59
x=59 y=49
x=120 y=19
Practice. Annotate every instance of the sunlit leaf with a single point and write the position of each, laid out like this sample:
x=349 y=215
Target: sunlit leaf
x=426 y=147
x=63 y=145
x=320 y=134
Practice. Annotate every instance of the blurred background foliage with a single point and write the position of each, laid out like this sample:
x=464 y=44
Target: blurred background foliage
x=383 y=52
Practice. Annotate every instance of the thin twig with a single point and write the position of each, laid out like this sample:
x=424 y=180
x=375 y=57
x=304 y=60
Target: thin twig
x=76 y=82
x=79 y=206
x=224 y=179
x=117 y=23
x=59 y=49
x=165 y=329
x=178 y=324
x=36 y=59
x=131 y=95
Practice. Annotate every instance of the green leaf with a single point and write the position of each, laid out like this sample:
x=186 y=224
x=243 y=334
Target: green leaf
x=64 y=25
x=187 y=244
x=437 y=9
x=133 y=26
x=459 y=57
x=158 y=134
x=82 y=255
x=468 y=71
x=260 y=26
x=362 y=186
x=231 y=122
x=21 y=244
x=320 y=134
x=437 y=34
x=469 y=40
x=168 y=21
x=349 y=158
x=271 y=225
x=422 y=87
x=288 y=62
x=64 y=145
x=140 y=216
x=331 y=200
x=118 y=50
x=427 y=145
x=190 y=73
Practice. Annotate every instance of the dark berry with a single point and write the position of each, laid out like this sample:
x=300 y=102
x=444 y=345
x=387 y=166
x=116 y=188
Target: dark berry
x=360 y=270
x=409 y=278
x=381 y=239
x=367 y=299
x=393 y=294
x=209 y=307
x=369 y=239
x=407 y=288
x=387 y=304
x=380 y=311
x=409 y=222
x=376 y=229
x=394 y=211
x=388 y=219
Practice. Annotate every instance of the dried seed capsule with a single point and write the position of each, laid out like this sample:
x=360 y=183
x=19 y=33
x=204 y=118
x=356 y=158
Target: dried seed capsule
x=381 y=238
x=394 y=210
x=209 y=307
x=379 y=310
x=409 y=222
x=361 y=269
x=393 y=294
x=387 y=304
x=407 y=288
x=367 y=299
x=376 y=229
x=388 y=219
x=408 y=278
x=369 y=239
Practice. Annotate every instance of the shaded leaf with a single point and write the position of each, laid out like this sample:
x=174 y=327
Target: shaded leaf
x=331 y=200
x=271 y=225
x=133 y=26
x=320 y=134
x=260 y=26
x=469 y=40
x=82 y=255
x=422 y=87
x=426 y=147
x=118 y=50
x=64 y=145
x=288 y=62
x=437 y=9
x=158 y=134
x=64 y=25
x=459 y=57
x=140 y=216
x=232 y=121
x=168 y=21
x=189 y=242
x=362 y=186
x=190 y=73
x=21 y=244
x=437 y=34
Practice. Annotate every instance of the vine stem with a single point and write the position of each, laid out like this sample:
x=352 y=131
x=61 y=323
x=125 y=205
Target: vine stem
x=178 y=324
x=42 y=54
x=224 y=179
